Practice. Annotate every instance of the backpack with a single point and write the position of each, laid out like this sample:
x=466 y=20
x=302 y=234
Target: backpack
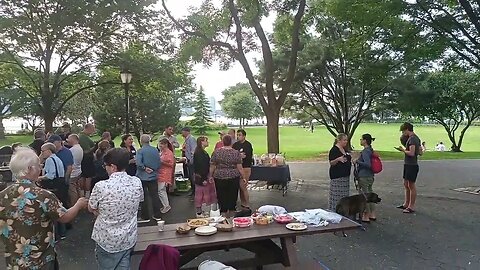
x=376 y=163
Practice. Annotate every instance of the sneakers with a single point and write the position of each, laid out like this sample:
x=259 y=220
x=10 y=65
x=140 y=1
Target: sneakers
x=141 y=220
x=165 y=209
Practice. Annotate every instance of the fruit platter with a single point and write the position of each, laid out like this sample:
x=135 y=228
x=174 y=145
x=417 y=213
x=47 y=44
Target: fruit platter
x=242 y=222
x=283 y=218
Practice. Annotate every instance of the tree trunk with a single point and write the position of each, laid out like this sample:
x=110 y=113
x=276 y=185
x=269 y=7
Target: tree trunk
x=273 y=141
x=49 y=119
x=2 y=129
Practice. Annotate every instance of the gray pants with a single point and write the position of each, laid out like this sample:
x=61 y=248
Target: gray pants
x=365 y=185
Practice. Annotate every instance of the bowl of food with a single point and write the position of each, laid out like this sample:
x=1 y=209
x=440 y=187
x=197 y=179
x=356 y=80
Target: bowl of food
x=242 y=222
x=183 y=229
x=283 y=218
x=263 y=220
x=197 y=222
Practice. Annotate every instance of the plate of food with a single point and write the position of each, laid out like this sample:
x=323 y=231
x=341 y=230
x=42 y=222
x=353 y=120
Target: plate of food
x=197 y=222
x=205 y=230
x=283 y=218
x=242 y=222
x=183 y=229
x=296 y=226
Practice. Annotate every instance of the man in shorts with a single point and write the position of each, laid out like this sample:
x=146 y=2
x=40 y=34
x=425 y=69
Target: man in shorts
x=246 y=151
x=410 y=169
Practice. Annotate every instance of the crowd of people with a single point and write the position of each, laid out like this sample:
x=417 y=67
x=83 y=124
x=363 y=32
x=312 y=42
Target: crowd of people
x=341 y=162
x=58 y=175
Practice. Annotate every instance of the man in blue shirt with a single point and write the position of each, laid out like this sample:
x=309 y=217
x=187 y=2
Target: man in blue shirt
x=53 y=178
x=64 y=154
x=148 y=163
x=188 y=148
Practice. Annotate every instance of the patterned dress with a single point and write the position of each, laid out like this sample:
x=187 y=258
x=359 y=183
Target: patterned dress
x=27 y=213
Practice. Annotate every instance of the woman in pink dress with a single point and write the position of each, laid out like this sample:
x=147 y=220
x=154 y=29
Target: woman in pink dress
x=165 y=173
x=205 y=192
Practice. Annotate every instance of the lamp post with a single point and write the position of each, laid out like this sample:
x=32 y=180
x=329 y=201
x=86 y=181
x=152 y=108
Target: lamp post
x=126 y=77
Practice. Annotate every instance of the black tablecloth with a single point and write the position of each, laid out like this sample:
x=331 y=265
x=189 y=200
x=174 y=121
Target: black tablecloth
x=273 y=175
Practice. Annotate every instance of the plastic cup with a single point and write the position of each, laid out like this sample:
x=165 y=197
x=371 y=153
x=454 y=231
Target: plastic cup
x=161 y=225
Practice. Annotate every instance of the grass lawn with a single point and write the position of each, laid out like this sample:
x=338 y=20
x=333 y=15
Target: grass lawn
x=300 y=144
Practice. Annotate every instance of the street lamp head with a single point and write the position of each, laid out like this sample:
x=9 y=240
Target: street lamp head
x=126 y=76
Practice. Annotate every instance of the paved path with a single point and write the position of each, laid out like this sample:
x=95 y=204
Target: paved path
x=442 y=234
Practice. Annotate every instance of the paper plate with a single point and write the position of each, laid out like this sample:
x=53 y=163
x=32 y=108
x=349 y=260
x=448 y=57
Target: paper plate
x=205 y=230
x=296 y=226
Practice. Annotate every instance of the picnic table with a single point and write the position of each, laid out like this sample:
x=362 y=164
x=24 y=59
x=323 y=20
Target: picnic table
x=278 y=175
x=257 y=239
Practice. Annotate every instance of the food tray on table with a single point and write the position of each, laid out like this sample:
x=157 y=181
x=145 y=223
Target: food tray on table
x=197 y=222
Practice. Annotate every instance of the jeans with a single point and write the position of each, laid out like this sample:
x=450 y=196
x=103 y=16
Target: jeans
x=112 y=261
x=365 y=185
x=162 y=194
x=150 y=191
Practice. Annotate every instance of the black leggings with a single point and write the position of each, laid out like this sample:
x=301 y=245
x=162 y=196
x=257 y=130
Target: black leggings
x=227 y=193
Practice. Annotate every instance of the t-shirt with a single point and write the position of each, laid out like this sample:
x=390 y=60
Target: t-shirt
x=66 y=157
x=245 y=147
x=86 y=143
x=77 y=154
x=340 y=169
x=413 y=140
x=37 y=145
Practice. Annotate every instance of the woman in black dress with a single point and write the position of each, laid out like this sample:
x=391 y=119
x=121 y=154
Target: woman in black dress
x=127 y=143
x=340 y=168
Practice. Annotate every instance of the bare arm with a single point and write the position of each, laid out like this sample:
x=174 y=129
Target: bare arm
x=72 y=212
x=68 y=172
x=240 y=169
x=410 y=151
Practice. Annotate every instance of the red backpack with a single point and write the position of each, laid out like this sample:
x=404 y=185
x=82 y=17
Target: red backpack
x=376 y=163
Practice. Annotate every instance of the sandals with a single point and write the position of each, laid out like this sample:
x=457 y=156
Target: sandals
x=408 y=210
x=401 y=206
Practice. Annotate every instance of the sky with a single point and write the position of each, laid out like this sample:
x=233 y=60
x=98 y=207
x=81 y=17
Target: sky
x=212 y=79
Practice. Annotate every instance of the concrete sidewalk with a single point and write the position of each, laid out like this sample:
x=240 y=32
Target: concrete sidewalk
x=442 y=234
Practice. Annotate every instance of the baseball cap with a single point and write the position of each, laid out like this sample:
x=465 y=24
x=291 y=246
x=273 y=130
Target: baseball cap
x=54 y=138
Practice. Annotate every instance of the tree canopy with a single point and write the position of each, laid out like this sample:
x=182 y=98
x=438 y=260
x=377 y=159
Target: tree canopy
x=451 y=98
x=57 y=44
x=239 y=102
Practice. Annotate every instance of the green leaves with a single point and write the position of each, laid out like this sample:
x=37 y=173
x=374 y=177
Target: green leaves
x=202 y=113
x=240 y=103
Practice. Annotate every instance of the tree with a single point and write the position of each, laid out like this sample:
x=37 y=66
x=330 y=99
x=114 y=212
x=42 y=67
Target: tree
x=157 y=87
x=202 y=113
x=56 y=43
x=239 y=102
x=350 y=62
x=452 y=26
x=229 y=32
x=450 y=98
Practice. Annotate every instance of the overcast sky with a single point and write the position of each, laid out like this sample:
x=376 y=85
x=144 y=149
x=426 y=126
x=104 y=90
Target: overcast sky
x=212 y=78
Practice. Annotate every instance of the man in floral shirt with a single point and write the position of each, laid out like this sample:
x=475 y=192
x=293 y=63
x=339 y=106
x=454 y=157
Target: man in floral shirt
x=27 y=213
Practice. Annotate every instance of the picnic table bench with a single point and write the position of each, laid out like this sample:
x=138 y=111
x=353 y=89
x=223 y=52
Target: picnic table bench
x=257 y=239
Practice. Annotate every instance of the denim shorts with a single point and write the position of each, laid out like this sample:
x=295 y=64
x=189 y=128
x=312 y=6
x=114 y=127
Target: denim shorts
x=112 y=261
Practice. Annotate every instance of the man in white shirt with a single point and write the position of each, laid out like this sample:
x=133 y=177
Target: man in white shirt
x=75 y=189
x=440 y=147
x=115 y=202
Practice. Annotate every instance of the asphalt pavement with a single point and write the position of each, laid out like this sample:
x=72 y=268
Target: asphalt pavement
x=443 y=233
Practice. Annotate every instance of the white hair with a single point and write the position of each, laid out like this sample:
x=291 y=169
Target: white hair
x=144 y=139
x=22 y=160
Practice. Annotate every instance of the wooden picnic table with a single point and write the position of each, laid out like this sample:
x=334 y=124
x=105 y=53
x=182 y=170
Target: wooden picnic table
x=257 y=239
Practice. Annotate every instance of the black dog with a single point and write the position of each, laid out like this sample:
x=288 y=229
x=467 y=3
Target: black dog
x=355 y=205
